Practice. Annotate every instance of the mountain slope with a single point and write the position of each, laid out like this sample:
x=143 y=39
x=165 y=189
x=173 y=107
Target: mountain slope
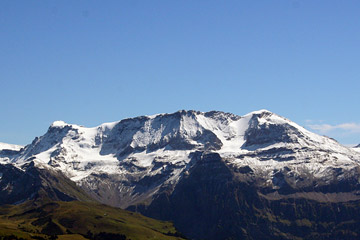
x=241 y=167
x=357 y=148
x=36 y=184
x=8 y=151
x=80 y=220
x=136 y=157
x=215 y=201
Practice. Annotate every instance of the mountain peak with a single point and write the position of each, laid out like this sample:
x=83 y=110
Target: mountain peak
x=261 y=111
x=59 y=123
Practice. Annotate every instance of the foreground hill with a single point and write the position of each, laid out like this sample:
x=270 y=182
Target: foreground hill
x=216 y=175
x=79 y=220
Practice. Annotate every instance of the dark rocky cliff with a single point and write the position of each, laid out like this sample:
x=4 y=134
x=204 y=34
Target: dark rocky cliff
x=212 y=202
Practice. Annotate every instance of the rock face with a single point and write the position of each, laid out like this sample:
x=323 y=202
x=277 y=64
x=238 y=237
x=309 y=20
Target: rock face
x=31 y=183
x=214 y=201
x=216 y=175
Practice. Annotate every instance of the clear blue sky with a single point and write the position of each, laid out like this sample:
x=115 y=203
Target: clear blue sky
x=89 y=62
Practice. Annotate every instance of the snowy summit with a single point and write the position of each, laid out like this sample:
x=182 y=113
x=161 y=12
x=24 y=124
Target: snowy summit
x=164 y=147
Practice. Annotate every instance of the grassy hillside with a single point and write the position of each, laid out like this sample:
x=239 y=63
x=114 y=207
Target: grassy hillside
x=79 y=220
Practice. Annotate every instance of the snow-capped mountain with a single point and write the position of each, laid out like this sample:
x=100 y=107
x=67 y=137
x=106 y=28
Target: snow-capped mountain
x=157 y=150
x=152 y=164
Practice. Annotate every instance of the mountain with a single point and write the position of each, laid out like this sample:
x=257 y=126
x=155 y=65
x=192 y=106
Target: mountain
x=216 y=175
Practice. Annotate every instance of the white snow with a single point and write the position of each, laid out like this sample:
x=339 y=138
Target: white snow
x=231 y=133
x=257 y=112
x=59 y=124
x=10 y=146
x=357 y=149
